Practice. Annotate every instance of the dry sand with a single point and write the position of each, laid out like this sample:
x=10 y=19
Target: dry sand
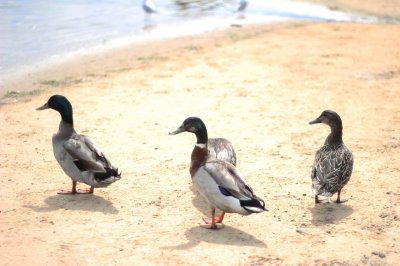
x=257 y=86
x=382 y=8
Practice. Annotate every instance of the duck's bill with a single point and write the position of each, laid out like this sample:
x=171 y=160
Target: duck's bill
x=177 y=131
x=316 y=121
x=44 y=106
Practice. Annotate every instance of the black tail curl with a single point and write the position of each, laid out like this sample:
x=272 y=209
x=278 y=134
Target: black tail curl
x=110 y=172
x=255 y=202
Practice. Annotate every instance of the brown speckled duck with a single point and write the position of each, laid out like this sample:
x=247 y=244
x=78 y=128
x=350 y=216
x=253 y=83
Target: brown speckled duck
x=333 y=162
x=218 y=181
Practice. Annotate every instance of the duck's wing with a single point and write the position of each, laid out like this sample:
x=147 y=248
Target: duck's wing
x=222 y=149
x=86 y=155
x=227 y=177
x=231 y=183
x=347 y=165
x=332 y=169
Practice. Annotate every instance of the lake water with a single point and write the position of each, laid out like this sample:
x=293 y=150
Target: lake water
x=35 y=32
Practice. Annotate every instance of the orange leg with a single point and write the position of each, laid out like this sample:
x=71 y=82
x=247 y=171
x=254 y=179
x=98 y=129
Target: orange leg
x=69 y=192
x=73 y=191
x=86 y=191
x=211 y=223
x=221 y=217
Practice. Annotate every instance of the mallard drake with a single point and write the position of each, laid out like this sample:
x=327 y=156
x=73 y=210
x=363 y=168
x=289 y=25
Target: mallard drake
x=218 y=181
x=219 y=148
x=78 y=155
x=333 y=162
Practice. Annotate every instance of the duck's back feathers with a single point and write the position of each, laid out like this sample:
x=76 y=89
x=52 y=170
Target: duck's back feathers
x=231 y=185
x=85 y=153
x=93 y=165
x=222 y=149
x=331 y=170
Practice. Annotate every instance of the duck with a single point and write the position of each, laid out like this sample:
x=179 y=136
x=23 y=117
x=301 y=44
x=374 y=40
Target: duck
x=78 y=155
x=219 y=148
x=333 y=163
x=218 y=181
x=149 y=8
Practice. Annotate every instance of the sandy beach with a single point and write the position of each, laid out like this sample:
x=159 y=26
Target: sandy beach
x=256 y=85
x=385 y=8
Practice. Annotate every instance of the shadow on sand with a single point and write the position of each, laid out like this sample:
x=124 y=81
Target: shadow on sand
x=225 y=236
x=329 y=213
x=91 y=203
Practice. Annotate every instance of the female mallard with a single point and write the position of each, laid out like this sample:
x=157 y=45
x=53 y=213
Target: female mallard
x=78 y=155
x=333 y=162
x=216 y=180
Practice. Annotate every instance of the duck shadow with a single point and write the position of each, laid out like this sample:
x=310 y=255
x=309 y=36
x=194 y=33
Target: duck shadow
x=329 y=213
x=225 y=236
x=92 y=203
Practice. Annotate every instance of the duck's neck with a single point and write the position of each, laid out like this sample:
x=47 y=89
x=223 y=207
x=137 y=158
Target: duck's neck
x=66 y=129
x=335 y=137
x=201 y=135
x=67 y=115
x=200 y=151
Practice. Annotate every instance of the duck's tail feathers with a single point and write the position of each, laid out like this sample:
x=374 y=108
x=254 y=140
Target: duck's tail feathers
x=109 y=176
x=320 y=189
x=254 y=205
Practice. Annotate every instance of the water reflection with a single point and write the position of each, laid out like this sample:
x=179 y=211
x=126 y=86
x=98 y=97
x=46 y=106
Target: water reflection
x=202 y=5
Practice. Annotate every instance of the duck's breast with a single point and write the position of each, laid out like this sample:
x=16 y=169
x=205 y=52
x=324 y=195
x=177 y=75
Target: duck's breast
x=65 y=160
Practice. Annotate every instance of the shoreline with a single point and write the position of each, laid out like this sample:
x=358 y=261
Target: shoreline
x=36 y=79
x=87 y=67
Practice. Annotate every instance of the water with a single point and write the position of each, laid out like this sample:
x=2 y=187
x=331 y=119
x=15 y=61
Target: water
x=35 y=32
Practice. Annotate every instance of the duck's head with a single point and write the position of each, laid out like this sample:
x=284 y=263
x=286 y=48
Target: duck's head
x=60 y=104
x=191 y=124
x=328 y=117
x=194 y=125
